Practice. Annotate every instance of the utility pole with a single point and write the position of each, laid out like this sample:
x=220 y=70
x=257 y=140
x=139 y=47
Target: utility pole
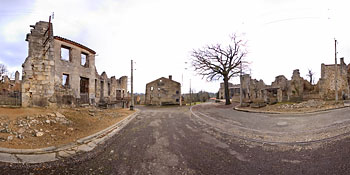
x=132 y=87
x=182 y=82
x=190 y=94
x=336 y=71
x=240 y=87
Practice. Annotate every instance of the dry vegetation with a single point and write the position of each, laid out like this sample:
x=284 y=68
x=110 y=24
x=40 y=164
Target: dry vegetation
x=39 y=127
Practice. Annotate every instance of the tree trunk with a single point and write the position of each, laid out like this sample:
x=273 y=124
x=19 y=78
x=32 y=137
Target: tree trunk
x=227 y=92
x=311 y=79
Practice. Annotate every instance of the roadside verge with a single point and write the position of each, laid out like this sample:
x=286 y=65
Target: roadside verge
x=54 y=153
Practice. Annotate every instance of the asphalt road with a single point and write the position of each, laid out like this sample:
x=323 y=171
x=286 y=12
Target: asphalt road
x=172 y=141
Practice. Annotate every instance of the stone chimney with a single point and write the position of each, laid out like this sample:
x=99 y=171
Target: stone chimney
x=170 y=77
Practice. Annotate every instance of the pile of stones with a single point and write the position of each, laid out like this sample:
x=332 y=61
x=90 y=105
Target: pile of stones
x=30 y=126
x=306 y=104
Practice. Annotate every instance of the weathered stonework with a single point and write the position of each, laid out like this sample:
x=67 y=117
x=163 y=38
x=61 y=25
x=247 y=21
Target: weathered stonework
x=222 y=90
x=280 y=90
x=7 y=85
x=59 y=71
x=326 y=83
x=298 y=89
x=163 y=91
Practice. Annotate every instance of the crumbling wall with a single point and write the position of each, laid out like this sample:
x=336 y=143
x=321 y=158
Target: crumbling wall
x=59 y=71
x=38 y=68
x=111 y=89
x=222 y=90
x=326 y=84
x=296 y=87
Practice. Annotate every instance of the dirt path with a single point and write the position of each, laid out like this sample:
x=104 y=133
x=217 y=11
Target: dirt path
x=29 y=128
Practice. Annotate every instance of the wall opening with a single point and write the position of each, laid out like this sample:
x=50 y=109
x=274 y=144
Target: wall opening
x=84 y=61
x=84 y=90
x=65 y=53
x=101 y=90
x=119 y=94
x=109 y=89
x=95 y=87
x=65 y=80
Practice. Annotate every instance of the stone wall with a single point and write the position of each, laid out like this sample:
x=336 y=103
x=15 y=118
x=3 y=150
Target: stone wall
x=326 y=84
x=280 y=90
x=59 y=71
x=38 y=72
x=222 y=90
x=7 y=85
x=163 y=91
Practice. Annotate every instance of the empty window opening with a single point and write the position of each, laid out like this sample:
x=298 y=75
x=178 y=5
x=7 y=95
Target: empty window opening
x=151 y=88
x=119 y=94
x=84 y=60
x=109 y=89
x=158 y=89
x=177 y=100
x=160 y=80
x=84 y=90
x=95 y=87
x=65 y=53
x=177 y=92
x=84 y=85
x=65 y=80
x=102 y=84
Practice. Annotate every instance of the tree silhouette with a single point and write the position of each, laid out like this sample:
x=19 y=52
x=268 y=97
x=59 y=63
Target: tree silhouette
x=216 y=61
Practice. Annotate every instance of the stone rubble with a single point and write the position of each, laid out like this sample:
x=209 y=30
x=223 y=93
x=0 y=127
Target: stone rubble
x=306 y=104
x=29 y=126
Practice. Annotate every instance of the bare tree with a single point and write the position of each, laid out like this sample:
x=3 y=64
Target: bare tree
x=216 y=61
x=3 y=70
x=310 y=74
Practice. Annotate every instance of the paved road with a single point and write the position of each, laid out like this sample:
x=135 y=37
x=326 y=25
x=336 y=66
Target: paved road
x=172 y=141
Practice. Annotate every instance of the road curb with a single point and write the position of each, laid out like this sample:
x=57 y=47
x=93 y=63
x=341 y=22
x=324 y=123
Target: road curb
x=236 y=108
x=271 y=142
x=54 y=153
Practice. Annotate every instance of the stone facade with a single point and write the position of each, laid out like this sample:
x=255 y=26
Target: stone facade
x=326 y=83
x=8 y=86
x=222 y=90
x=59 y=71
x=280 y=90
x=163 y=91
x=298 y=89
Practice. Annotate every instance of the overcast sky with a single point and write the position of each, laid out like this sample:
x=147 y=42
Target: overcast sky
x=159 y=35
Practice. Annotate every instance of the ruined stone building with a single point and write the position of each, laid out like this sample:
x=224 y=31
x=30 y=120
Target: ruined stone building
x=163 y=91
x=280 y=90
x=232 y=90
x=10 y=90
x=326 y=83
x=8 y=85
x=59 y=71
x=297 y=89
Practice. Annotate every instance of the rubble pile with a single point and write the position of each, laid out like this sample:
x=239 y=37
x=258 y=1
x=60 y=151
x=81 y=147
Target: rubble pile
x=306 y=104
x=32 y=126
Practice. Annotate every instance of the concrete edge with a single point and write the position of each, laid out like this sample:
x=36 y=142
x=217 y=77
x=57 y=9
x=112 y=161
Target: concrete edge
x=236 y=108
x=293 y=143
x=85 y=144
